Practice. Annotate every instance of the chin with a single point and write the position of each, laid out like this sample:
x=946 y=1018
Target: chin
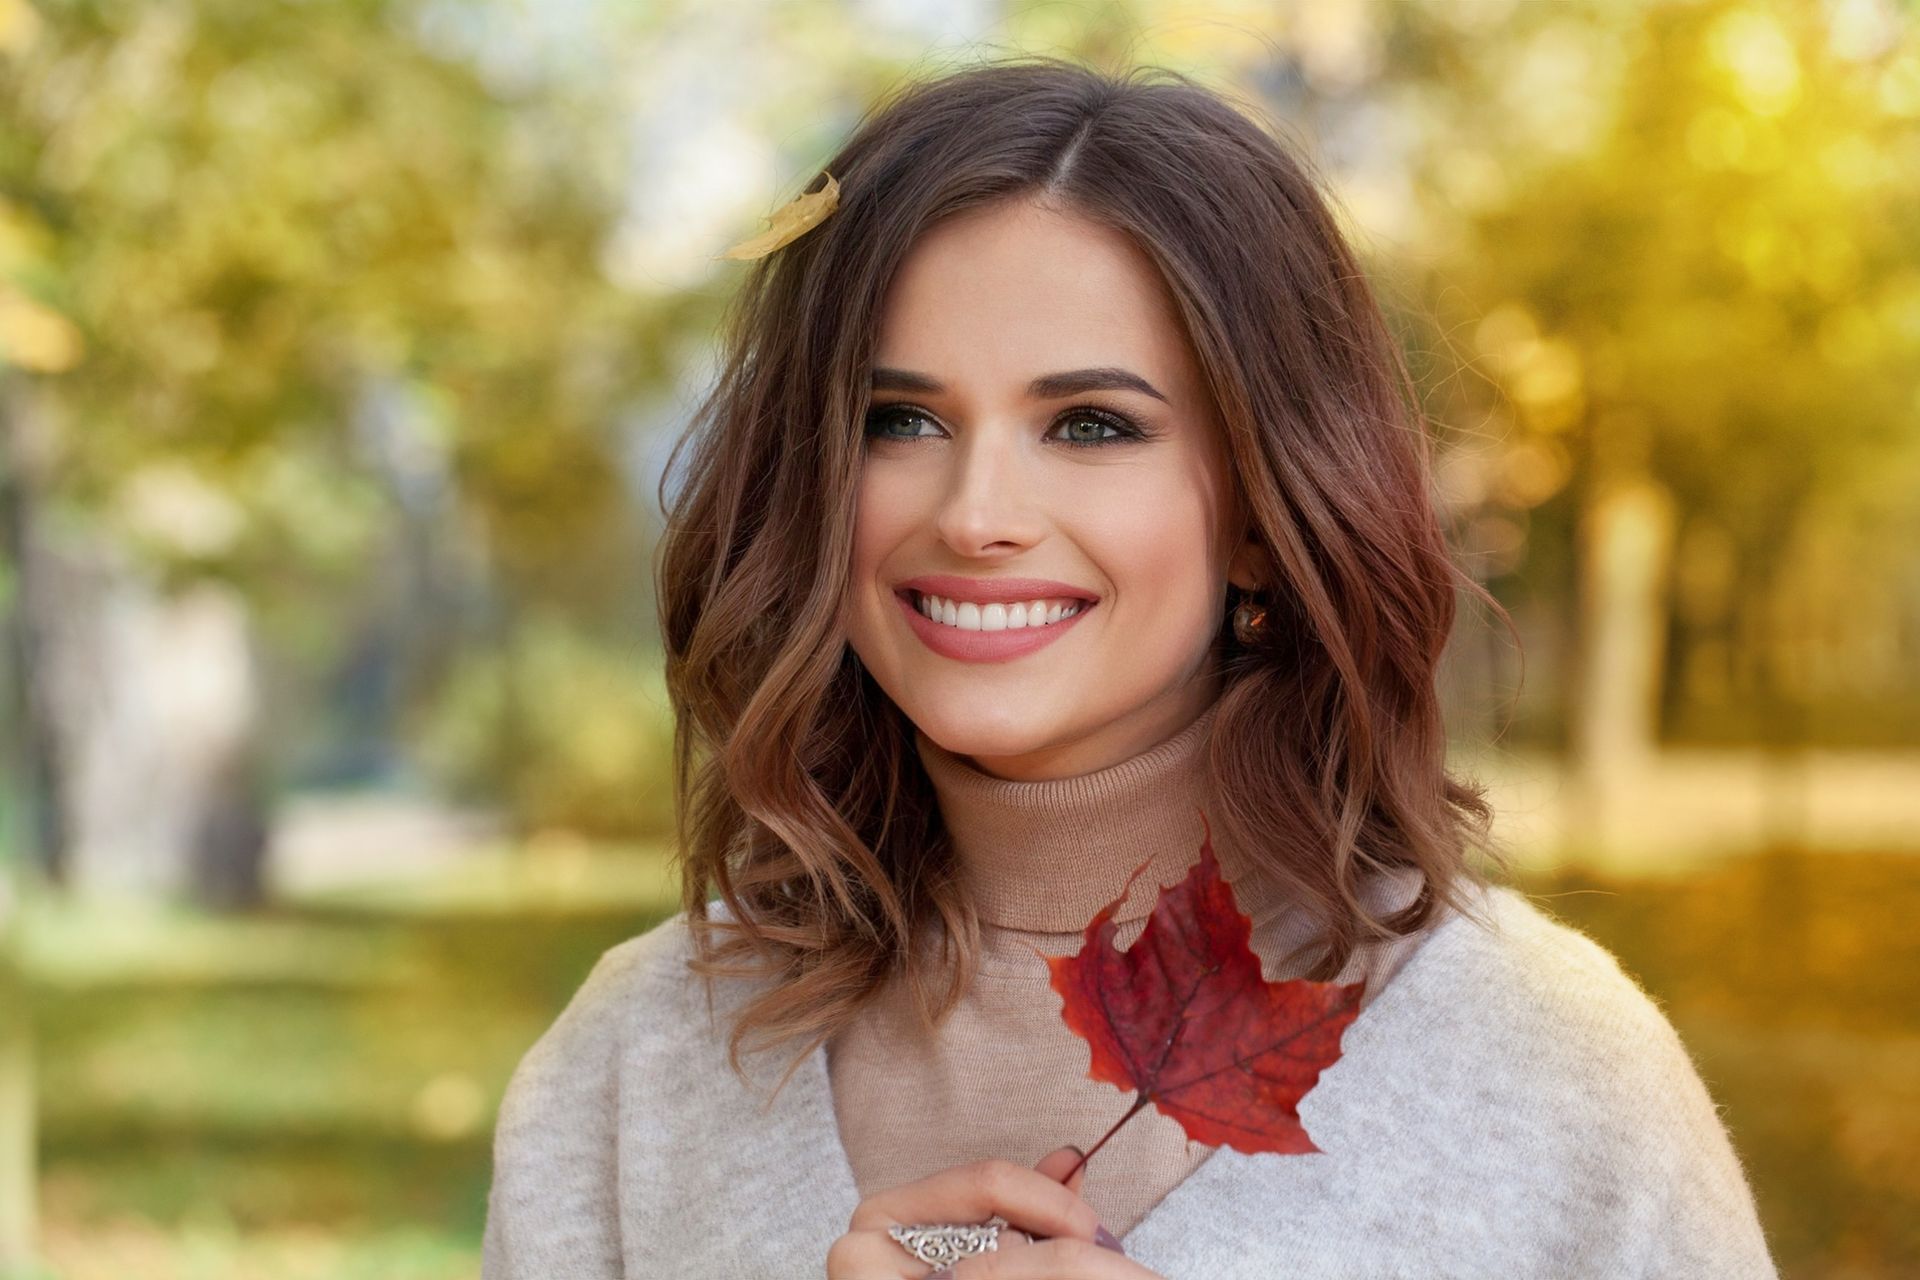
x=962 y=729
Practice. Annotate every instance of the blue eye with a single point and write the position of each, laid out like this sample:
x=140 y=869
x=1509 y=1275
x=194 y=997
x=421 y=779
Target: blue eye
x=1121 y=428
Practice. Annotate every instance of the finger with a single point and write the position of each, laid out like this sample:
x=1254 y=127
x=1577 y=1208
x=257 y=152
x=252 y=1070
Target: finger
x=1061 y=1159
x=1058 y=1161
x=1027 y=1198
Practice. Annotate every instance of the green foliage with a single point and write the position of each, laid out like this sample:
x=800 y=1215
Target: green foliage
x=256 y=211
x=261 y=234
x=305 y=1095
x=562 y=730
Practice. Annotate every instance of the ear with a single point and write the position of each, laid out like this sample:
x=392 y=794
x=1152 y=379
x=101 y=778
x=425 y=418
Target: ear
x=1250 y=568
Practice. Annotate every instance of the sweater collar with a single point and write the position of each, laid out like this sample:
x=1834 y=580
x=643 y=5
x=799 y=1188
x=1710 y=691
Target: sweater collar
x=1046 y=856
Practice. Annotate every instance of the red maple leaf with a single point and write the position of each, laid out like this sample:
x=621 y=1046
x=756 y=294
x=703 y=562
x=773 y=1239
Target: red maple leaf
x=1185 y=1017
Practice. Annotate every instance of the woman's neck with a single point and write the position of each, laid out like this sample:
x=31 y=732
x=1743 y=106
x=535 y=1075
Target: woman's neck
x=1047 y=855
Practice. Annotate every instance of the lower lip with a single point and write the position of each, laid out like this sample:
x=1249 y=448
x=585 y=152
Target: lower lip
x=984 y=646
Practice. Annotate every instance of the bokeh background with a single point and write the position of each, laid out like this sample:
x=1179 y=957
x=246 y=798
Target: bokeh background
x=341 y=344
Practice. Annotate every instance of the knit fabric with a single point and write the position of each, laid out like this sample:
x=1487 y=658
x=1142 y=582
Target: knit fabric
x=1508 y=1102
x=1039 y=859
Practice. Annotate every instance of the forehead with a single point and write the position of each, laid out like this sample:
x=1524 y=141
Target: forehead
x=1015 y=289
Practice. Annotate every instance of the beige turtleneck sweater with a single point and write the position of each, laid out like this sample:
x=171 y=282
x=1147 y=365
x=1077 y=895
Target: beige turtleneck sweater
x=1004 y=1076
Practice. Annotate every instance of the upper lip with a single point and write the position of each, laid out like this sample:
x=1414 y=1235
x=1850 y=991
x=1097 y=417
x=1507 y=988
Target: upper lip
x=994 y=590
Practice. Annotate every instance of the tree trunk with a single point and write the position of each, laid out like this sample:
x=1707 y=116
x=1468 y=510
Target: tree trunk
x=32 y=747
x=27 y=761
x=1626 y=543
x=139 y=731
x=162 y=709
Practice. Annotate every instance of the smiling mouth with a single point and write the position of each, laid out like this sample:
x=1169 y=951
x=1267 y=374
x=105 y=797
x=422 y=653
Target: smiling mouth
x=1017 y=615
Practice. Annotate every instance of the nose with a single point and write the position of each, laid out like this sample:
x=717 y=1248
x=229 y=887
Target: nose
x=989 y=493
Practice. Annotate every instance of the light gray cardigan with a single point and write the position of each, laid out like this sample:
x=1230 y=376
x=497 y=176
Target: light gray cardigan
x=1511 y=1105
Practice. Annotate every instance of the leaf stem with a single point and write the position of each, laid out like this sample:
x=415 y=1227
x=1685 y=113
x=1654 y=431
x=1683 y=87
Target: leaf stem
x=1132 y=1111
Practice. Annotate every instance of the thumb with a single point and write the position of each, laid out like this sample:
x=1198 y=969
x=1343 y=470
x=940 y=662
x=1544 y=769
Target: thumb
x=1056 y=1163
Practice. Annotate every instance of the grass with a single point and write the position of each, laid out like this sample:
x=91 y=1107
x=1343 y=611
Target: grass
x=306 y=1091
x=310 y=1092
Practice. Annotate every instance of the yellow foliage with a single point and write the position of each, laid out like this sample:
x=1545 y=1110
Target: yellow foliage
x=790 y=221
x=35 y=337
x=19 y=24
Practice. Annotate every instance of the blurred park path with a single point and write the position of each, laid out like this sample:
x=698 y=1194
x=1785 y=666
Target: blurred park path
x=326 y=840
x=1683 y=811
x=1687 y=809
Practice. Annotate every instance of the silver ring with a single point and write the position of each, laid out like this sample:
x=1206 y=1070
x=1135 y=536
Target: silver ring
x=943 y=1244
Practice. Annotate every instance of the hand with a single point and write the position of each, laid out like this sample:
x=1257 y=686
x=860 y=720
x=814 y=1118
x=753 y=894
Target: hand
x=1069 y=1242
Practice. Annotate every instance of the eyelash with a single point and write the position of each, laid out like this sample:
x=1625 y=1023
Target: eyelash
x=1127 y=427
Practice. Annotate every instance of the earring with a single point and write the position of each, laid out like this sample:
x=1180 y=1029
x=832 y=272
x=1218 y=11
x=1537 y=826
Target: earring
x=1249 y=620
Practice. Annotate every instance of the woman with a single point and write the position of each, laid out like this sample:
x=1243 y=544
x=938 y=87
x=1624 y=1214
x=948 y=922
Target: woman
x=1062 y=501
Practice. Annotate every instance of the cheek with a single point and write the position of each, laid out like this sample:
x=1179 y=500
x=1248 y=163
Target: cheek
x=884 y=515
x=1152 y=535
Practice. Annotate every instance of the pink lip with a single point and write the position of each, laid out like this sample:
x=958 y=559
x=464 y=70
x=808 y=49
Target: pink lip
x=993 y=590
x=985 y=646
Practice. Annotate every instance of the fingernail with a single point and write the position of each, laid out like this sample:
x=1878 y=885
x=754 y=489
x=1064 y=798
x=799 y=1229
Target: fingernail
x=1077 y=1151
x=1107 y=1240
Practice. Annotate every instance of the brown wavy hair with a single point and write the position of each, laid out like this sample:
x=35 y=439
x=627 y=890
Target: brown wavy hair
x=802 y=800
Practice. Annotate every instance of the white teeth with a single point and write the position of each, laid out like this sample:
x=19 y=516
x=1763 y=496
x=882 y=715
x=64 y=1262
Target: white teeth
x=968 y=616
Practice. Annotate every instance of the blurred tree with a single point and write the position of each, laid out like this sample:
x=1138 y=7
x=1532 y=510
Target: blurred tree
x=1683 y=238
x=239 y=218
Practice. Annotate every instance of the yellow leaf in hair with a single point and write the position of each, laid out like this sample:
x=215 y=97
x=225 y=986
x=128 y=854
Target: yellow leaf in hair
x=790 y=221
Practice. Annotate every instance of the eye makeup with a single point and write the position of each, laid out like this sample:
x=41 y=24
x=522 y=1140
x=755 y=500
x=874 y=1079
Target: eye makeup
x=1124 y=429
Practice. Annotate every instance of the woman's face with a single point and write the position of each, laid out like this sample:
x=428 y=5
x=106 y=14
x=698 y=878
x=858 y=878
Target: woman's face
x=1117 y=494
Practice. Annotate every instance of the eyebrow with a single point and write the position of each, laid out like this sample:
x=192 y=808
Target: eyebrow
x=1051 y=386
